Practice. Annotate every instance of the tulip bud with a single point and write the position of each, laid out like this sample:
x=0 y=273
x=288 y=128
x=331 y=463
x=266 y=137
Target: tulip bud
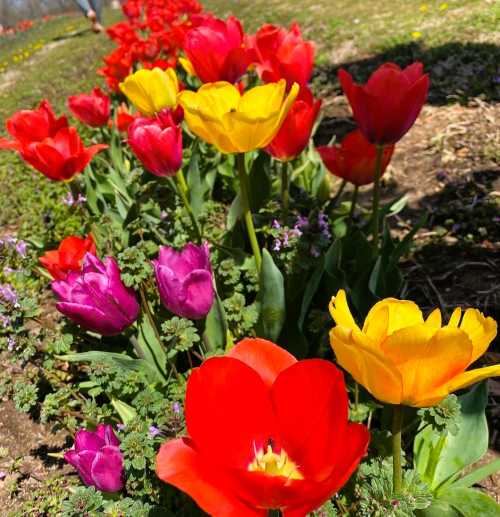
x=185 y=280
x=91 y=109
x=157 y=143
x=96 y=298
x=68 y=256
x=97 y=458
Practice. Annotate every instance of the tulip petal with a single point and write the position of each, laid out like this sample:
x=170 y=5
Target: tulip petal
x=178 y=464
x=311 y=406
x=107 y=469
x=200 y=293
x=472 y=376
x=88 y=440
x=340 y=312
x=396 y=314
x=356 y=354
x=233 y=398
x=354 y=448
x=481 y=331
x=426 y=359
x=266 y=358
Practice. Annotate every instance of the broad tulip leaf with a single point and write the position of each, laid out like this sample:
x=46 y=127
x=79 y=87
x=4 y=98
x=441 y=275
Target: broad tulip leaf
x=216 y=326
x=311 y=288
x=439 y=459
x=438 y=508
x=127 y=413
x=234 y=213
x=271 y=299
x=479 y=474
x=470 y=502
x=198 y=186
x=150 y=346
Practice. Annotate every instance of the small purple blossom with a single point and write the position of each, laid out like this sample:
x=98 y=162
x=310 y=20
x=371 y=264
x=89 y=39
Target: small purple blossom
x=276 y=224
x=22 y=248
x=69 y=199
x=153 y=431
x=176 y=408
x=163 y=215
x=3 y=474
x=121 y=427
x=4 y=321
x=11 y=343
x=8 y=293
x=277 y=245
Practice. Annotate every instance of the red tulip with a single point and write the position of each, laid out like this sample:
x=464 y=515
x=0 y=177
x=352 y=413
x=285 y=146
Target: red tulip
x=354 y=159
x=386 y=107
x=28 y=126
x=124 y=118
x=60 y=157
x=216 y=50
x=91 y=109
x=283 y=54
x=68 y=256
x=157 y=142
x=294 y=134
x=265 y=432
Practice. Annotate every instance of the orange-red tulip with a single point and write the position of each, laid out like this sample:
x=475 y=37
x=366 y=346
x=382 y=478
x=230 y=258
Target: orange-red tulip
x=265 y=432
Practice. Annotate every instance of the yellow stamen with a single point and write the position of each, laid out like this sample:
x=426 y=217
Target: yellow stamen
x=274 y=464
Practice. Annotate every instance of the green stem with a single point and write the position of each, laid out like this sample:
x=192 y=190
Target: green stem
x=285 y=190
x=376 y=194
x=247 y=214
x=356 y=396
x=397 y=472
x=333 y=203
x=274 y=513
x=183 y=192
x=354 y=200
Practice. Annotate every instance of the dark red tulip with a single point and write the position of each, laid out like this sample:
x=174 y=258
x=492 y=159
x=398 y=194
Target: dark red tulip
x=294 y=134
x=387 y=106
x=283 y=54
x=354 y=159
x=157 y=142
x=216 y=52
x=91 y=109
x=265 y=432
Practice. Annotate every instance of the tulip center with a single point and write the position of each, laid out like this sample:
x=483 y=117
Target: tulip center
x=274 y=464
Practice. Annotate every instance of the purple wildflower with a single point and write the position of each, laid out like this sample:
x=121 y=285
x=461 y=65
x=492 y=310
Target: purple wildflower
x=11 y=343
x=22 y=248
x=4 y=321
x=277 y=245
x=153 y=431
x=8 y=293
x=176 y=407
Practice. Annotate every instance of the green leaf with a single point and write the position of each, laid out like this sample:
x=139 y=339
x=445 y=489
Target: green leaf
x=198 y=186
x=119 y=360
x=216 y=326
x=149 y=345
x=438 y=508
x=127 y=413
x=260 y=184
x=439 y=459
x=478 y=474
x=311 y=288
x=271 y=298
x=470 y=502
x=234 y=213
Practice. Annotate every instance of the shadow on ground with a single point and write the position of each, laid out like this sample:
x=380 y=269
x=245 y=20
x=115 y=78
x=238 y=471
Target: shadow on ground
x=458 y=71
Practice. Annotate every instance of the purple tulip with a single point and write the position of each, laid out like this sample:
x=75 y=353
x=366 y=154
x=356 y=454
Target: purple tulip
x=96 y=298
x=98 y=459
x=185 y=280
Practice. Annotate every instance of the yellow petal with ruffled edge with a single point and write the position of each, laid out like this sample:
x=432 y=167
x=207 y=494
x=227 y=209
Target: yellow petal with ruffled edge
x=188 y=66
x=481 y=331
x=426 y=359
x=340 y=312
x=370 y=369
x=150 y=91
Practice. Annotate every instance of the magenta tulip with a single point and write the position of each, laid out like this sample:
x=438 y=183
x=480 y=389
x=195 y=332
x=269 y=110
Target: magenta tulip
x=96 y=298
x=97 y=458
x=157 y=143
x=185 y=280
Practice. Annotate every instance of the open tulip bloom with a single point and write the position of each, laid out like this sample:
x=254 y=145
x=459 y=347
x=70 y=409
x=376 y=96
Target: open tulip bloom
x=265 y=431
x=92 y=109
x=150 y=91
x=400 y=358
x=234 y=123
x=96 y=297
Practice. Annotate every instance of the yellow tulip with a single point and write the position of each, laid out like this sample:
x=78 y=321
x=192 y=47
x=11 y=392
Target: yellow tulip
x=151 y=90
x=236 y=123
x=400 y=358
